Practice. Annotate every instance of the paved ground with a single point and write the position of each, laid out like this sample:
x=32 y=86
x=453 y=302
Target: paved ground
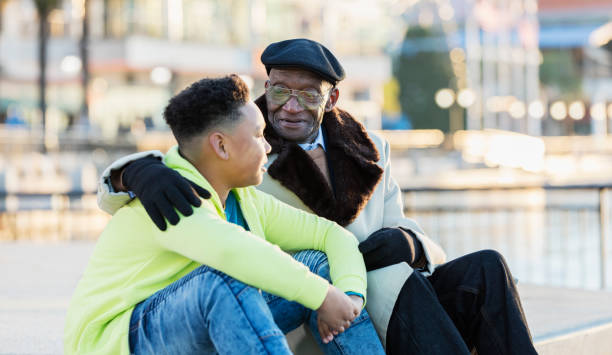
x=38 y=280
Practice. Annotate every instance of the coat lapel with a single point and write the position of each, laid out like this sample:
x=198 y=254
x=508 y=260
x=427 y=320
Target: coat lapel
x=351 y=157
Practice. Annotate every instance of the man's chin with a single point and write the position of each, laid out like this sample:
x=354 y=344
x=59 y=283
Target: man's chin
x=292 y=136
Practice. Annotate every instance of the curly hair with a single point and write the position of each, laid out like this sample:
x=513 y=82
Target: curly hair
x=205 y=104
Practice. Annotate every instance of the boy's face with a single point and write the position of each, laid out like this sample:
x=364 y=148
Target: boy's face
x=247 y=148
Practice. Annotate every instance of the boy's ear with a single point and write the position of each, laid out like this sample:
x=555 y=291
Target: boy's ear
x=217 y=141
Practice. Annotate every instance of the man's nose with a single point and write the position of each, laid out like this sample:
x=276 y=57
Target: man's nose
x=292 y=105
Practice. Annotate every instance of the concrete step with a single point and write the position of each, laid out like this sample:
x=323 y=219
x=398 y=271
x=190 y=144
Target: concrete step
x=568 y=321
x=38 y=280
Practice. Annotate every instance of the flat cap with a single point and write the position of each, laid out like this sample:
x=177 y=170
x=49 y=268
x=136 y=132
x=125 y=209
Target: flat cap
x=306 y=54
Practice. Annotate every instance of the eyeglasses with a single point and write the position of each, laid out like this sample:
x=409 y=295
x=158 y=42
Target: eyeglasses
x=279 y=95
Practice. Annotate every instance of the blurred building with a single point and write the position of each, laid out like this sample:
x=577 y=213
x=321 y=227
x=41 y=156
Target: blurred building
x=492 y=50
x=576 y=44
x=536 y=67
x=140 y=52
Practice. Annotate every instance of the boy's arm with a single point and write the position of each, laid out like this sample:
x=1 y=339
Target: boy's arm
x=209 y=240
x=293 y=229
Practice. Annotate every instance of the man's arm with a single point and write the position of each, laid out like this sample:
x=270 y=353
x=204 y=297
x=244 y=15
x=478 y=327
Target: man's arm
x=159 y=188
x=293 y=229
x=112 y=196
x=394 y=218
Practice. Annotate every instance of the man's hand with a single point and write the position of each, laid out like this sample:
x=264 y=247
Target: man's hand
x=161 y=190
x=335 y=314
x=389 y=246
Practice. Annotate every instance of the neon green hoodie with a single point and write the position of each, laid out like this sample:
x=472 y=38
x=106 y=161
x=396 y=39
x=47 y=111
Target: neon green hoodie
x=133 y=259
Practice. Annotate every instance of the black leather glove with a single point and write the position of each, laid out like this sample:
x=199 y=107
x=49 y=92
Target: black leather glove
x=161 y=190
x=389 y=246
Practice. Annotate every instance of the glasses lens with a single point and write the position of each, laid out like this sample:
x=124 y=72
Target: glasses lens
x=278 y=95
x=308 y=99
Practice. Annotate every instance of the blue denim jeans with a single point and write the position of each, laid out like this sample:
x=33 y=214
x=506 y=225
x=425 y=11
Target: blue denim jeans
x=359 y=338
x=208 y=312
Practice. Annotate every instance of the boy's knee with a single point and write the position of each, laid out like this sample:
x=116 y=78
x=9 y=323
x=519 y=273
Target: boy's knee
x=209 y=273
x=212 y=281
x=316 y=262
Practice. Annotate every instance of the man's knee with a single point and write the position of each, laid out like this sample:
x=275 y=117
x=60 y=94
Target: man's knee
x=316 y=262
x=493 y=263
x=491 y=257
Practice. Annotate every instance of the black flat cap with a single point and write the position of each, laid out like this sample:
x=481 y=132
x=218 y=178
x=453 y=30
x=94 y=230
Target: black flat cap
x=303 y=53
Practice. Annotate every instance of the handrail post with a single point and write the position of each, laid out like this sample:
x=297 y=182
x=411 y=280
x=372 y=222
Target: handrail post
x=604 y=231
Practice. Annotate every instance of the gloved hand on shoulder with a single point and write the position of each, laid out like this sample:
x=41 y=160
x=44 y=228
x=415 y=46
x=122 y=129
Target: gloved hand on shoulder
x=161 y=190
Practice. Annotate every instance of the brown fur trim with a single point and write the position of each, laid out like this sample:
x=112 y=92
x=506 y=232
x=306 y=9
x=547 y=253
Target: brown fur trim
x=351 y=157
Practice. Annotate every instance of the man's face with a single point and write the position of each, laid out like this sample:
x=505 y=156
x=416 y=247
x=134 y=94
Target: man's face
x=248 y=148
x=291 y=120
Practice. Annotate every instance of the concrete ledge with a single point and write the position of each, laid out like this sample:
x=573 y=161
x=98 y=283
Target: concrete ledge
x=38 y=280
x=593 y=340
x=568 y=321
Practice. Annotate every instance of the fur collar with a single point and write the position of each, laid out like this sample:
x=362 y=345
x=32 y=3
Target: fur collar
x=351 y=158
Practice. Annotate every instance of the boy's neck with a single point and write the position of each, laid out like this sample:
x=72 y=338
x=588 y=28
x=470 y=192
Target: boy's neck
x=213 y=174
x=216 y=183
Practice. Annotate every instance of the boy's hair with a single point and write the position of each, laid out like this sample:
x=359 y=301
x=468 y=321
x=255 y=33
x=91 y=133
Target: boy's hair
x=205 y=104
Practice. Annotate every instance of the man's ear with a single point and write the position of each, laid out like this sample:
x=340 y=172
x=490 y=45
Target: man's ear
x=333 y=98
x=217 y=141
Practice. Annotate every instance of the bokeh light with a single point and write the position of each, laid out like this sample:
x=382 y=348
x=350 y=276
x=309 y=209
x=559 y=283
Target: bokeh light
x=161 y=75
x=446 y=12
x=517 y=109
x=598 y=111
x=577 y=110
x=466 y=97
x=558 y=110
x=457 y=55
x=445 y=98
x=536 y=109
x=71 y=64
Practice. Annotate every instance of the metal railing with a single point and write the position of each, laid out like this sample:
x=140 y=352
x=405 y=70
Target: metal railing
x=556 y=235
x=73 y=215
x=549 y=234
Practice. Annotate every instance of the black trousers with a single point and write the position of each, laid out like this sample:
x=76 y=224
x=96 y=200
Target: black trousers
x=468 y=303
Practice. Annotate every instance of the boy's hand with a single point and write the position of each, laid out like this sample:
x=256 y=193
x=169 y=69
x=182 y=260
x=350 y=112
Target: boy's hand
x=335 y=314
x=324 y=331
x=357 y=301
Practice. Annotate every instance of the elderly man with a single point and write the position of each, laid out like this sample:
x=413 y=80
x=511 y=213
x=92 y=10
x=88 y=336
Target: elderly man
x=324 y=161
